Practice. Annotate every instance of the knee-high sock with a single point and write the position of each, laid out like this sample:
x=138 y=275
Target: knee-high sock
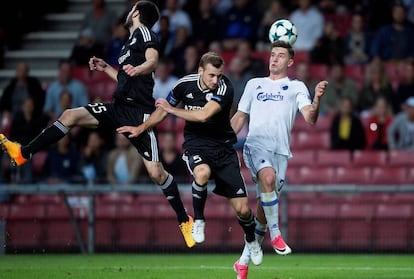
x=170 y=190
x=248 y=226
x=199 y=200
x=270 y=204
x=260 y=232
x=51 y=134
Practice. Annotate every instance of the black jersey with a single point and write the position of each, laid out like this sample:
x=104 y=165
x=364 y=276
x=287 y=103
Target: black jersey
x=217 y=131
x=137 y=89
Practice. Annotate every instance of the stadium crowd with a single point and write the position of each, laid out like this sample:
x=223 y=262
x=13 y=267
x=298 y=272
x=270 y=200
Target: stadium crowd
x=365 y=49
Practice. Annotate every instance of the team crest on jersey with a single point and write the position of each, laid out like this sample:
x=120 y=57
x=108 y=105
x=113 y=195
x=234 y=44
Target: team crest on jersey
x=284 y=86
x=209 y=96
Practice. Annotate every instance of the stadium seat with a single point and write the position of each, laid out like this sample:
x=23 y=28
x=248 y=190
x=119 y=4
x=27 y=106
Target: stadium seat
x=219 y=219
x=369 y=158
x=301 y=125
x=355 y=72
x=247 y=176
x=292 y=175
x=25 y=226
x=38 y=161
x=353 y=175
x=401 y=158
x=318 y=71
x=164 y=217
x=317 y=226
x=389 y=175
x=391 y=227
x=4 y=211
x=46 y=199
x=300 y=158
x=355 y=226
x=115 y=198
x=317 y=175
x=301 y=56
x=323 y=124
x=305 y=140
x=410 y=175
x=334 y=158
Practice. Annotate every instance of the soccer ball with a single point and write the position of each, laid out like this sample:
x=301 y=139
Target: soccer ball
x=284 y=30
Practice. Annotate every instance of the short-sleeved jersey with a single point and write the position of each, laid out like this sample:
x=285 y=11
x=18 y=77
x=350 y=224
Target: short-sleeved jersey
x=217 y=131
x=272 y=106
x=137 y=89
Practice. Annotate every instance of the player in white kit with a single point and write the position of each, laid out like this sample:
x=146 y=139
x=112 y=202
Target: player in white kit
x=270 y=105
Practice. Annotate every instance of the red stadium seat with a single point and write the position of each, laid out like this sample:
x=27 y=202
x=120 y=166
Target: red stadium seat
x=301 y=125
x=38 y=161
x=292 y=175
x=318 y=71
x=353 y=175
x=301 y=56
x=369 y=158
x=305 y=140
x=247 y=176
x=391 y=226
x=323 y=124
x=317 y=226
x=317 y=175
x=389 y=175
x=403 y=158
x=334 y=158
x=355 y=226
x=302 y=158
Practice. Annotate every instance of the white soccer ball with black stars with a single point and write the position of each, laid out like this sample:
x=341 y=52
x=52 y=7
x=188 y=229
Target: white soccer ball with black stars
x=283 y=30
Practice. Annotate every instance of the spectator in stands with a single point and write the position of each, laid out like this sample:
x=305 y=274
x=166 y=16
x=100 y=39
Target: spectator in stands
x=357 y=41
x=309 y=21
x=64 y=81
x=25 y=125
x=401 y=130
x=188 y=63
x=241 y=22
x=19 y=87
x=275 y=11
x=206 y=24
x=302 y=74
x=329 y=47
x=405 y=88
x=84 y=48
x=339 y=86
x=376 y=84
x=171 y=157
x=100 y=19
x=347 y=131
x=238 y=75
x=164 y=78
x=177 y=18
x=166 y=36
x=394 y=41
x=124 y=163
x=377 y=123
x=254 y=66
x=62 y=163
x=114 y=46
x=94 y=158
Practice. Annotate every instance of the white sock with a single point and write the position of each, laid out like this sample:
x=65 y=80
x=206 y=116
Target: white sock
x=270 y=204
x=260 y=232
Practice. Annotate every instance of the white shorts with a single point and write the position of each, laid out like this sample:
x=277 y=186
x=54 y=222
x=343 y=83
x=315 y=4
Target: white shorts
x=257 y=159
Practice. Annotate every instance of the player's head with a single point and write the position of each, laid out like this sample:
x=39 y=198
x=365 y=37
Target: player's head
x=147 y=11
x=281 y=57
x=211 y=69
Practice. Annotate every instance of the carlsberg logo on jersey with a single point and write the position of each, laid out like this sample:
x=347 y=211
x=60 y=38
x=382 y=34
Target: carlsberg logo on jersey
x=263 y=96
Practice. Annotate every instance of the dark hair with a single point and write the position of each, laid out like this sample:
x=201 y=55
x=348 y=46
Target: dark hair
x=286 y=45
x=149 y=12
x=211 y=58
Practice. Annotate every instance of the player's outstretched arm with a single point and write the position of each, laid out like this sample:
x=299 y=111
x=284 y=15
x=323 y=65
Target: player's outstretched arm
x=238 y=120
x=201 y=115
x=98 y=64
x=311 y=112
x=134 y=131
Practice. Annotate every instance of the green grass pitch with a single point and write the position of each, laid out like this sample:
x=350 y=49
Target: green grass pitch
x=204 y=266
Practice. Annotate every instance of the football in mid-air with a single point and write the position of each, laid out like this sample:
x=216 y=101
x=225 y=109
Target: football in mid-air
x=284 y=30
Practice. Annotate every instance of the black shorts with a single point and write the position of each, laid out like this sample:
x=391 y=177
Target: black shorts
x=114 y=115
x=225 y=170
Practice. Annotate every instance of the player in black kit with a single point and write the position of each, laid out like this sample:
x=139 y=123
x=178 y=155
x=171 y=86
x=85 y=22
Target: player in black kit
x=132 y=104
x=208 y=143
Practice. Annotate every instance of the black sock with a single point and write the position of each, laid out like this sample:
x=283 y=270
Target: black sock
x=51 y=134
x=170 y=190
x=248 y=226
x=199 y=200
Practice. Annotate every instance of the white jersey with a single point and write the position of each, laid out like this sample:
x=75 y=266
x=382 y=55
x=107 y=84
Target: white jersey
x=272 y=106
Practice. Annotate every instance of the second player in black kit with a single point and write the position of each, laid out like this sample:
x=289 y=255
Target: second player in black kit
x=208 y=143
